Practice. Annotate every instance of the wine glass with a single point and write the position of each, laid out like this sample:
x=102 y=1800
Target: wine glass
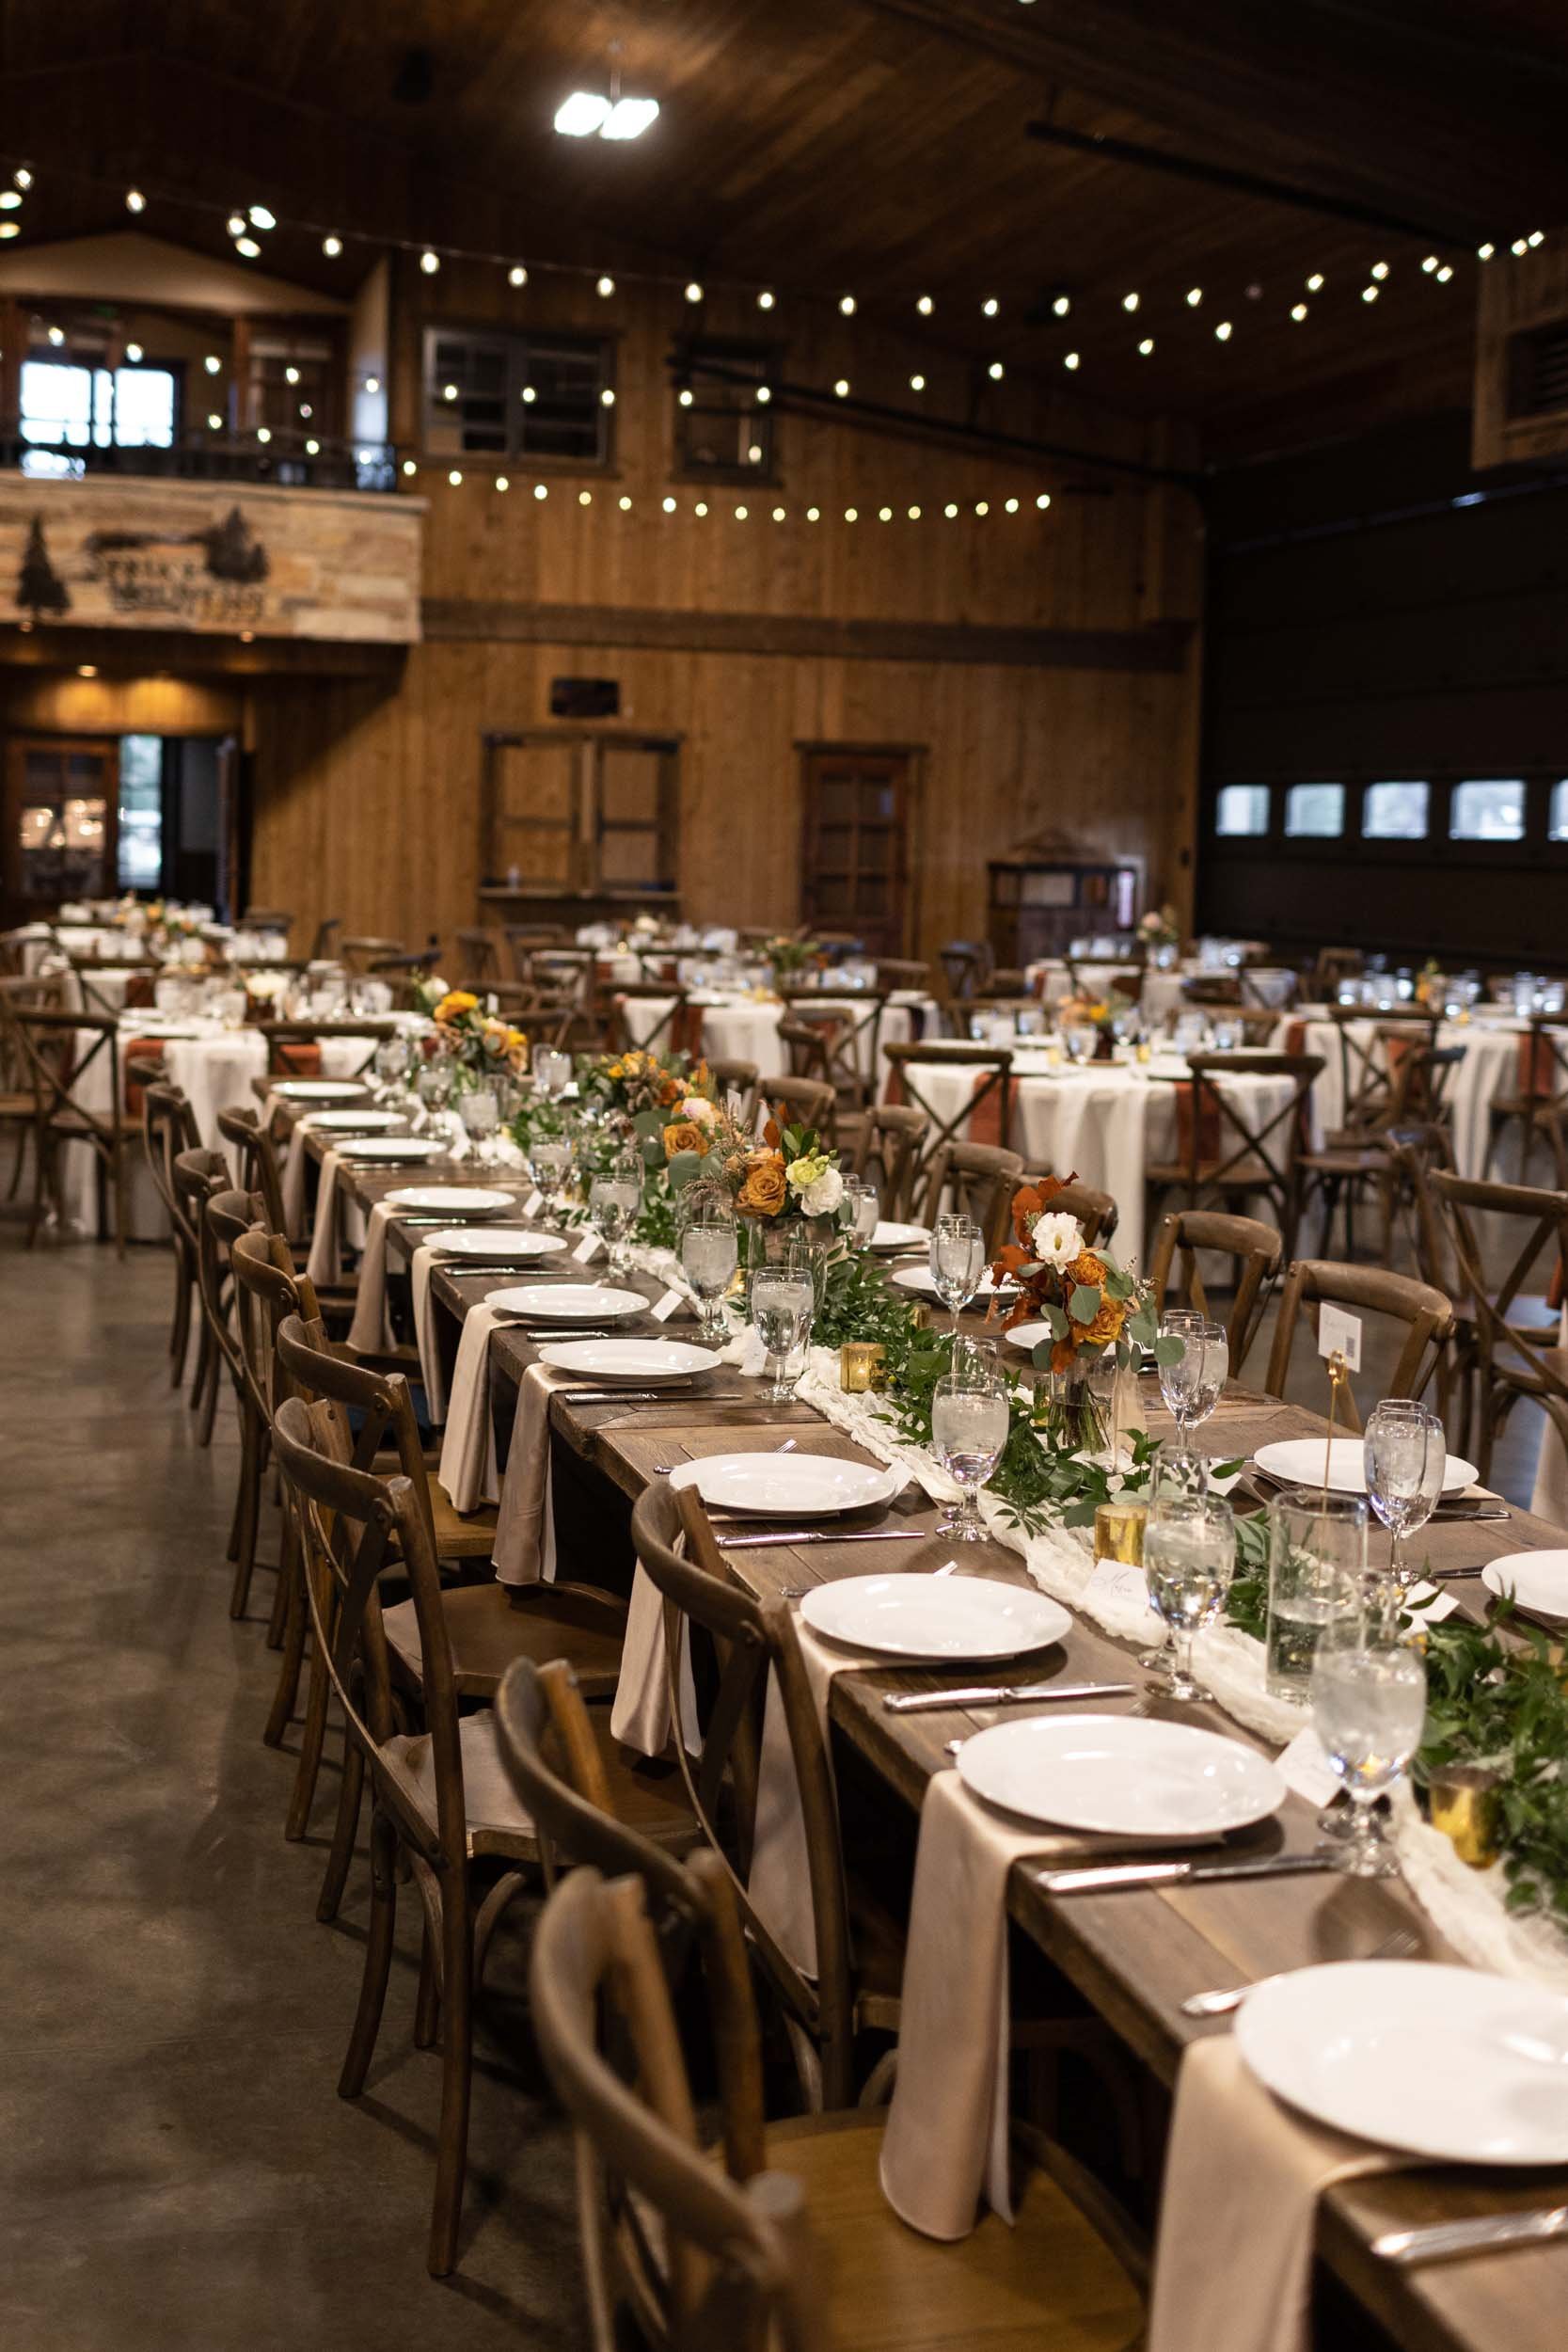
x=1192 y=1386
x=708 y=1248
x=970 y=1419
x=552 y=1071
x=481 y=1117
x=550 y=1162
x=783 y=1302
x=614 y=1198
x=434 y=1088
x=1189 y=1555
x=1404 y=1453
x=958 y=1259
x=865 y=1208
x=1369 y=1706
x=391 y=1063
x=1177 y=1472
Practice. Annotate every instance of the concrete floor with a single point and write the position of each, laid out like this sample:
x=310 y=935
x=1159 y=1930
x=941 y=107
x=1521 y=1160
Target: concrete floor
x=177 y=2173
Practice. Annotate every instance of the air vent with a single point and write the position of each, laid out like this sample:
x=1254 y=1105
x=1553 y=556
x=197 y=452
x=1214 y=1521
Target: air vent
x=1538 y=371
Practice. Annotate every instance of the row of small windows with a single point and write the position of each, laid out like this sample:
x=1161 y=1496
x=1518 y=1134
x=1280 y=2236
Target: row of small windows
x=1481 y=809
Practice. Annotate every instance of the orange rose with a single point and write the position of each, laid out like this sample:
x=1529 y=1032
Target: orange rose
x=1107 y=1324
x=766 y=1186
x=455 y=1001
x=685 y=1136
x=1086 y=1268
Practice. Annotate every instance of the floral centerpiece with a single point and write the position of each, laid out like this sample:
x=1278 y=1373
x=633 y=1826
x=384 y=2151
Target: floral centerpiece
x=1090 y=1309
x=789 y=957
x=786 y=1186
x=1160 y=927
x=470 y=1036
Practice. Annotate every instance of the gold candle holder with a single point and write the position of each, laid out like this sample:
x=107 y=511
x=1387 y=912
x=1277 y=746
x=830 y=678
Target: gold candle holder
x=1468 y=1806
x=1118 y=1533
x=861 y=1365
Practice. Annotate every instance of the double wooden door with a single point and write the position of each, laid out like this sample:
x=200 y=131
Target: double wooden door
x=856 y=843
x=61 y=819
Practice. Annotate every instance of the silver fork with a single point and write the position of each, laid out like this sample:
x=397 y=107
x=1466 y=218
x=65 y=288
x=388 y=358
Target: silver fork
x=1223 y=1999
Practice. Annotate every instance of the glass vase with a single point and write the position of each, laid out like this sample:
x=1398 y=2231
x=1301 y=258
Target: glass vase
x=1071 y=1414
x=770 y=1240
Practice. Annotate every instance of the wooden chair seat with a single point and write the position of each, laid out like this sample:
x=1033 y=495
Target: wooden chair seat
x=1214 y=1175
x=1048 y=2280
x=460 y=1534
x=491 y=1626
x=1344 y=1157
x=648 y=1797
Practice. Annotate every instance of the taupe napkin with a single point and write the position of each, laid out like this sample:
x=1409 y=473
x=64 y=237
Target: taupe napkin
x=640 y=1715
x=294 y=1157
x=420 y=1268
x=525 y=1532
x=779 y=1880
x=467 y=1469
x=326 y=1261
x=371 y=1331
x=1238 y=2214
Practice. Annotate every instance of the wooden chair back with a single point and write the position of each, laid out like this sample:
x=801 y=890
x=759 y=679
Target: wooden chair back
x=901 y=972
x=1331 y=966
x=1419 y=1155
x=982 y=1180
x=1228 y=1149
x=850 y=1027
x=60 y=1047
x=199 y=1177
x=260 y=1172
x=359 y=954
x=285 y=1037
x=965 y=963
x=479 y=955
x=1256 y=1252
x=659 y=1032
x=888 y=1153
x=267 y=1291
x=991 y=1097
x=712 y=2252
x=803 y=1103
x=267 y=919
x=1096 y=1212
x=809 y=1045
x=1368 y=1071
x=324 y=948
x=1506 y=1347
x=524 y=939
x=733 y=1642
x=168 y=1128
x=740 y=1079
x=1312 y=1284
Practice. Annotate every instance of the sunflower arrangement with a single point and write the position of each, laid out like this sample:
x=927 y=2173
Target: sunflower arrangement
x=1090 y=1306
x=638 y=1082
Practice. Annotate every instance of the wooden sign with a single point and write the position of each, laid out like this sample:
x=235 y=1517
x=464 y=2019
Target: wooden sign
x=212 y=557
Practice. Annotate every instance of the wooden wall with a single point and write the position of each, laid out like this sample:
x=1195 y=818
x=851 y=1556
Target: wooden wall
x=1043 y=662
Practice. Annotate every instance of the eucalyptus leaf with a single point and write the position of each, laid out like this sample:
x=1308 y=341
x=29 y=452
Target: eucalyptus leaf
x=684 y=1170
x=1083 y=1305
x=1168 y=1349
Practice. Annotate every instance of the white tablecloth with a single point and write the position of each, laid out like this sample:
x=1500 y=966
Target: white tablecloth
x=746 y=1029
x=1103 y=1122
x=1491 y=1067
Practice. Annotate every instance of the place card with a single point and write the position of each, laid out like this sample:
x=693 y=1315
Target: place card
x=1306 y=1771
x=1340 y=1334
x=533 y=1205
x=663 y=1309
x=1427 y=1604
x=588 y=1249
x=1119 y=1580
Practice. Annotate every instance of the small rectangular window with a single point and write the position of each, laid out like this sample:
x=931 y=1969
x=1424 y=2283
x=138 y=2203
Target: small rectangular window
x=141 y=810
x=1315 y=810
x=1559 y=829
x=1490 y=808
x=723 y=417
x=540 y=396
x=1396 y=811
x=1242 y=808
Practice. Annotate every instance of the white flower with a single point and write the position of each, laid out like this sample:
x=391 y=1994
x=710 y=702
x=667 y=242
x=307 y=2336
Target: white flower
x=1056 y=1239
x=699 y=1110
x=823 y=1195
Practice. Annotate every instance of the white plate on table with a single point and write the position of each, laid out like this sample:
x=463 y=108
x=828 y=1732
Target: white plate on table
x=788 y=1486
x=1299 y=1462
x=1449 y=2063
x=920 y=1279
x=891 y=1235
x=958 y=1617
x=1119 y=1776
x=1538 y=1580
x=395 y=1148
x=453 y=1199
x=652 y=1363
x=483 y=1241
x=355 y=1122
x=568 y=1302
x=318 y=1089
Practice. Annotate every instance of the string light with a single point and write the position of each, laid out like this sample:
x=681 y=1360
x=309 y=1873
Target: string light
x=236 y=224
x=135 y=200
x=132 y=351
x=249 y=246
x=884 y=514
x=1194 y=296
x=765 y=298
x=1430 y=263
x=261 y=217
x=982 y=506
x=925 y=306
x=813 y=513
x=502 y=481
x=604 y=288
x=56 y=336
x=777 y=514
x=529 y=395
x=990 y=308
x=264 y=434
x=1369 y=294
x=11 y=229
x=1145 y=347
x=456 y=479
x=1380 y=270
x=851 y=513
x=841 y=388
x=693 y=291
x=332 y=247
x=430 y=263
x=409 y=464
x=1012 y=508
x=1061 y=305
x=915 y=514
x=1298 y=311
x=312 y=449
x=847 y=304
x=215 y=422
x=22 y=177
x=10 y=200
x=669 y=506
x=686 y=395
x=1445 y=273
x=516 y=274
x=949 y=510
x=585 y=498
x=291 y=375
x=1070 y=359
x=1537 y=236
x=741 y=513
x=1130 y=302
x=1315 y=283
x=625 y=504
x=917 y=383
x=1043 y=500
x=607 y=398
x=541 y=490
x=1519 y=245
x=701 y=507
x=213 y=364
x=765 y=393
x=373 y=383
x=995 y=370
x=1222 y=332
x=1486 y=252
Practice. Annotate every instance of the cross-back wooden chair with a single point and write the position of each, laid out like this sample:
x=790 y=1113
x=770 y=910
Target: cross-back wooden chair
x=1268 y=988
x=739 y=1079
x=1312 y=1284
x=1226 y=1152
x=1407 y=1085
x=887 y=1151
x=168 y=1128
x=902 y=972
x=979 y=1179
x=267 y=919
x=1256 y=1252
x=323 y=946
x=989 y=1100
x=1096 y=1211
x=1332 y=965
x=662 y=1025
x=851 y=1032
x=440 y=1800
x=777 y=2235
x=294 y=1047
x=262 y=1172
x=809 y=1045
x=95 y=993
x=1537 y=1102
x=21 y=1092
x=803 y=1103
x=1419 y=1153
x=1369 y=1072
x=232 y=1217
x=524 y=940
x=1513 y=1358
x=965 y=963
x=359 y=954
x=60 y=1048
x=479 y=955
x=198 y=1177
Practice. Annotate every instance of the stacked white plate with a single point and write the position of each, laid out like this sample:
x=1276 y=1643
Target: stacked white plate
x=957 y=1618
x=318 y=1089
x=355 y=1122
x=788 y=1486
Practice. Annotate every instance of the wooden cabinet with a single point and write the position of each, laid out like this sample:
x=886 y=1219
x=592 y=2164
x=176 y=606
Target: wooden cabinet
x=1047 y=893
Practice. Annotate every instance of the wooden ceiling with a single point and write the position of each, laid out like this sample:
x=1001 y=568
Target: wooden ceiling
x=882 y=147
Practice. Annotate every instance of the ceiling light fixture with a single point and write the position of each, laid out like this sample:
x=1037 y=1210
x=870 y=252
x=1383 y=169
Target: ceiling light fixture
x=587 y=112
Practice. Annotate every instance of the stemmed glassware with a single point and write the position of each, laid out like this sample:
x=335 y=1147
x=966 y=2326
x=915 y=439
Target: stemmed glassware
x=708 y=1255
x=1192 y=1386
x=783 y=1302
x=552 y=1071
x=1176 y=1472
x=1369 y=1706
x=614 y=1199
x=550 y=1162
x=970 y=1419
x=958 y=1260
x=435 y=1089
x=1189 y=1557
x=1404 y=1454
x=391 y=1063
x=865 y=1209
x=481 y=1117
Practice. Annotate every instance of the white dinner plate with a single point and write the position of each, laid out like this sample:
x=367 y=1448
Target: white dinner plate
x=318 y=1089
x=788 y=1486
x=889 y=1236
x=1299 y=1462
x=568 y=1302
x=1120 y=1776
x=921 y=1279
x=483 y=1241
x=453 y=1199
x=650 y=1362
x=395 y=1148
x=1538 y=1580
x=1449 y=2063
x=355 y=1122
x=935 y=1616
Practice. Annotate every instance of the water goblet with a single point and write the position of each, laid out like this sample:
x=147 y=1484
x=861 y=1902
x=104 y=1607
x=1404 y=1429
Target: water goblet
x=1192 y=1384
x=865 y=1209
x=1189 y=1556
x=552 y=1071
x=1404 y=1454
x=614 y=1199
x=1369 y=1706
x=550 y=1162
x=958 y=1259
x=434 y=1088
x=970 y=1419
x=481 y=1116
x=391 y=1065
x=708 y=1256
x=1176 y=1472
x=783 y=1303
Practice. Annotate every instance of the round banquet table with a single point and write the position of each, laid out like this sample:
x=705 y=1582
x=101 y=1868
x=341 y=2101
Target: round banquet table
x=1490 y=1068
x=746 y=1029
x=1103 y=1122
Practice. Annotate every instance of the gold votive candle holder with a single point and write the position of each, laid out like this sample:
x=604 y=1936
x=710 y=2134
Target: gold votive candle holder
x=1467 y=1803
x=1118 y=1533
x=861 y=1365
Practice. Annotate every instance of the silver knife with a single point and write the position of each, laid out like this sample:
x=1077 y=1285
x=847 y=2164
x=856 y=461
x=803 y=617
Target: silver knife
x=825 y=1536
x=1440 y=2241
x=1108 y=1878
x=1009 y=1694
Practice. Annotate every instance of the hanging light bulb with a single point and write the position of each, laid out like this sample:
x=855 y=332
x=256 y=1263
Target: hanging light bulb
x=1315 y=283
x=1043 y=500
x=132 y=351
x=925 y=306
x=1380 y=270
x=1369 y=294
x=516 y=274
x=249 y=246
x=22 y=177
x=1194 y=296
x=410 y=465
x=1445 y=273
x=990 y=308
x=765 y=393
x=502 y=481
x=764 y=300
x=456 y=479
x=1146 y=346
x=541 y=490
x=1070 y=359
x=693 y=291
x=685 y=395
x=917 y=383
x=213 y=364
x=135 y=200
x=669 y=506
x=261 y=217
x=604 y=287
x=996 y=371
x=332 y=247
x=430 y=263
x=1298 y=311
x=1430 y=263
x=841 y=388
x=1222 y=332
x=1486 y=252
x=585 y=498
x=1062 y=306
x=1129 y=301
x=236 y=224
x=847 y=304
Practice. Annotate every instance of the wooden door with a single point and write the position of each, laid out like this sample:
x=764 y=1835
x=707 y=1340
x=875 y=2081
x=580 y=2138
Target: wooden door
x=61 y=822
x=855 y=850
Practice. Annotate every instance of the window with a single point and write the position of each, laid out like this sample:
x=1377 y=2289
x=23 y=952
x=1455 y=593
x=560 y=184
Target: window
x=65 y=401
x=1396 y=811
x=539 y=396
x=141 y=812
x=1488 y=809
x=1242 y=808
x=1315 y=809
x=723 y=428
x=1558 y=828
